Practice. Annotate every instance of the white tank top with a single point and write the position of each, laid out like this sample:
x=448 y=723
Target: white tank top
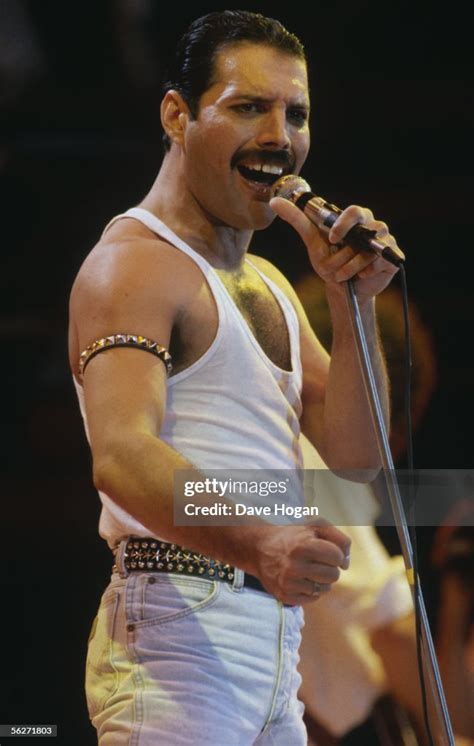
x=232 y=409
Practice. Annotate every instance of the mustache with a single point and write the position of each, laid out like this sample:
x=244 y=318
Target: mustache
x=269 y=157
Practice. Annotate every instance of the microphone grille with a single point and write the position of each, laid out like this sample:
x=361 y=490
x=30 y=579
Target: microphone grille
x=290 y=187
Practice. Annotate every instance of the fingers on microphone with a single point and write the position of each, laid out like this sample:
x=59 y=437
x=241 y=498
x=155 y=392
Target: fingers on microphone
x=337 y=259
x=344 y=264
x=351 y=216
x=380 y=227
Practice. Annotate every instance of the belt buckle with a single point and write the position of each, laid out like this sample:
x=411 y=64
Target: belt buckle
x=119 y=553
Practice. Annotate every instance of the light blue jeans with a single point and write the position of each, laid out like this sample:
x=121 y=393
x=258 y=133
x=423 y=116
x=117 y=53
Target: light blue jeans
x=183 y=661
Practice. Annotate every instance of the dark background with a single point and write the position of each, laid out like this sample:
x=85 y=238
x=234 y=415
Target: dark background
x=392 y=125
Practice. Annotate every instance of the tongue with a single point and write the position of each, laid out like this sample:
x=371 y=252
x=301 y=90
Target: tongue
x=261 y=177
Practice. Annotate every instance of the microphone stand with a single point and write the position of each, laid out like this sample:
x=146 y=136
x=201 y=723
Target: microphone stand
x=436 y=701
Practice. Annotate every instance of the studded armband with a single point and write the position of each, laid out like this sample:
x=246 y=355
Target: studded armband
x=124 y=340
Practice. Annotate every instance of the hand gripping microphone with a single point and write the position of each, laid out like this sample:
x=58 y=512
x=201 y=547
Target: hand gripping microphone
x=324 y=215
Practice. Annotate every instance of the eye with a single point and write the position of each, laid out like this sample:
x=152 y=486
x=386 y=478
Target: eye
x=249 y=108
x=297 y=116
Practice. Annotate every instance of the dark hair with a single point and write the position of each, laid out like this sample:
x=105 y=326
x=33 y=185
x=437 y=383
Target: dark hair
x=192 y=69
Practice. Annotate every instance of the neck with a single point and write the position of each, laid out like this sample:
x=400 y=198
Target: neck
x=222 y=246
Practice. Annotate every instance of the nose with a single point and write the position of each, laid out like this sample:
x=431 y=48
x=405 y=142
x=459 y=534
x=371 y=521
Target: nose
x=274 y=130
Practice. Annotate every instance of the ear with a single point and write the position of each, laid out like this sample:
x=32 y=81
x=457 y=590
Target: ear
x=174 y=116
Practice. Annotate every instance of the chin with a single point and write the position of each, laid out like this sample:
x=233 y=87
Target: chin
x=264 y=222
x=260 y=218
x=266 y=219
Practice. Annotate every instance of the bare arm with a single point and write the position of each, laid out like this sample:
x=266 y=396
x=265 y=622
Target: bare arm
x=336 y=417
x=349 y=438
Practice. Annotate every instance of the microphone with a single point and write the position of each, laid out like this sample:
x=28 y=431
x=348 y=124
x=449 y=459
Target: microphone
x=324 y=215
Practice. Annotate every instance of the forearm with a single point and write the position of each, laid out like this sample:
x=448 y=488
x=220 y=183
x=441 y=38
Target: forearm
x=349 y=440
x=139 y=476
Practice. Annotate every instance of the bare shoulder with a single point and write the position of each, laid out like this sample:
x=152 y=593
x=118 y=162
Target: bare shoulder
x=128 y=283
x=130 y=256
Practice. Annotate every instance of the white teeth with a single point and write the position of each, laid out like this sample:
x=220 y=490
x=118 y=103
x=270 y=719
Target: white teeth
x=266 y=168
x=253 y=167
x=277 y=170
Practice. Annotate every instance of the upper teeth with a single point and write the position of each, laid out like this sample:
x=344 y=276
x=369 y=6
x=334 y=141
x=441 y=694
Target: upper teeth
x=266 y=168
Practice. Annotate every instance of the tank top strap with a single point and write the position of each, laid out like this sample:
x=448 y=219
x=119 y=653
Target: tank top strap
x=161 y=229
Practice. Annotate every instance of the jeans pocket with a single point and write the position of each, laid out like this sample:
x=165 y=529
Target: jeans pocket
x=167 y=598
x=101 y=672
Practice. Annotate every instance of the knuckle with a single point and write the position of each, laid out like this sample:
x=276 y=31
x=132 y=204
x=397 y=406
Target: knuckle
x=358 y=214
x=343 y=274
x=381 y=227
x=325 y=575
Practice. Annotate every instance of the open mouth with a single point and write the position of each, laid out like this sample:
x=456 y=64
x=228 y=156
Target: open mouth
x=264 y=174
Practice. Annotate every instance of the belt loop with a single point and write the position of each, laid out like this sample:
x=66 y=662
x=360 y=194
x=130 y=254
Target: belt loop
x=119 y=552
x=238 y=582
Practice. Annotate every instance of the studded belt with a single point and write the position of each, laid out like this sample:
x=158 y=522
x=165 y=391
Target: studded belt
x=144 y=554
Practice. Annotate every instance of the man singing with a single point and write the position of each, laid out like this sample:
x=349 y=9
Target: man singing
x=190 y=353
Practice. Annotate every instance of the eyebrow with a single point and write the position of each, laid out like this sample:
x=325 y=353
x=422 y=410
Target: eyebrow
x=268 y=100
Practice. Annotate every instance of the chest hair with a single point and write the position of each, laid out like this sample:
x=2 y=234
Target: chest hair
x=262 y=313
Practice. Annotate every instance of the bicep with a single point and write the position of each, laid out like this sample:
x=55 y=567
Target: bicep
x=124 y=387
x=120 y=292
x=124 y=396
